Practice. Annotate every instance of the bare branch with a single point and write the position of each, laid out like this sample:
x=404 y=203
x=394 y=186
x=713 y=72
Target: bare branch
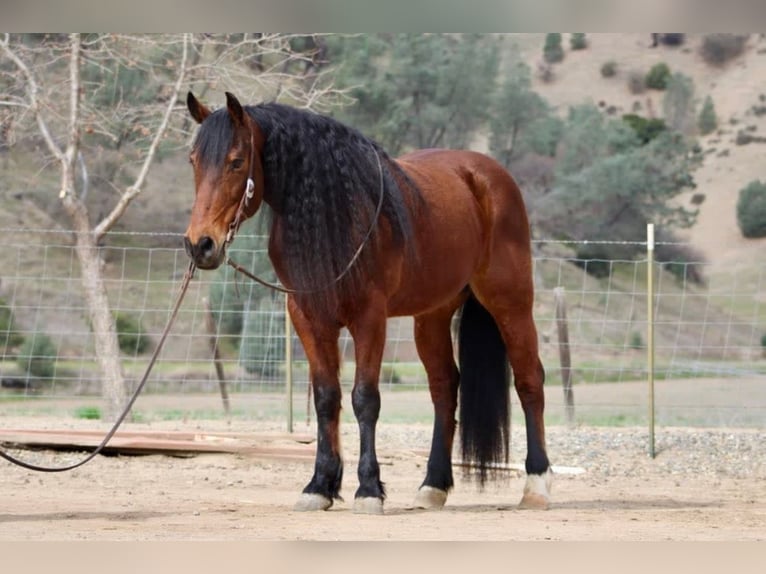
x=84 y=177
x=32 y=91
x=73 y=140
x=134 y=190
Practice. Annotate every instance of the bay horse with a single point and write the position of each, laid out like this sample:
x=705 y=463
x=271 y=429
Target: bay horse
x=357 y=237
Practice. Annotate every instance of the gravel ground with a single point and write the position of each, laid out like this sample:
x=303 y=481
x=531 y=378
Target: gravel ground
x=601 y=451
x=678 y=451
x=704 y=484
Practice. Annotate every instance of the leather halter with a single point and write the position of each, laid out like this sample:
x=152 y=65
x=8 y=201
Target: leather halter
x=239 y=217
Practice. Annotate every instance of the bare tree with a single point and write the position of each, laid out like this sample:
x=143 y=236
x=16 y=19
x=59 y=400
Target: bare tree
x=121 y=92
x=86 y=236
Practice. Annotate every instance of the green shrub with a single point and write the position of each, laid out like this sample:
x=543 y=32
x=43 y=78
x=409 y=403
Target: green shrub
x=672 y=39
x=388 y=374
x=37 y=356
x=707 y=121
x=578 y=41
x=751 y=209
x=678 y=104
x=609 y=69
x=684 y=262
x=552 y=51
x=636 y=341
x=657 y=77
x=646 y=128
x=545 y=72
x=88 y=413
x=595 y=260
x=697 y=199
x=636 y=82
x=763 y=344
x=9 y=335
x=131 y=336
x=717 y=49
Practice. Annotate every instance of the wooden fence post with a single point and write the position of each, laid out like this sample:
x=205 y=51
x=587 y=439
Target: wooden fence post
x=213 y=343
x=565 y=358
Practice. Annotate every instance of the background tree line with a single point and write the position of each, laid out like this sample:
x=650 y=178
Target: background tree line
x=586 y=175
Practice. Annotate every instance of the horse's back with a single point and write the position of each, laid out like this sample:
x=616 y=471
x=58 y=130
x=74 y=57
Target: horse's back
x=467 y=198
x=445 y=171
x=468 y=185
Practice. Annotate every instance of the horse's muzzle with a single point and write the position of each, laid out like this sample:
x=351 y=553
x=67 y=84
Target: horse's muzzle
x=204 y=253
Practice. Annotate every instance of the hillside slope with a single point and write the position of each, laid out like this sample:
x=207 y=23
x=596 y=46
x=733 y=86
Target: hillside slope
x=735 y=89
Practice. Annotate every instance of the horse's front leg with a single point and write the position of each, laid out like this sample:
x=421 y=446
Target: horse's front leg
x=369 y=334
x=320 y=342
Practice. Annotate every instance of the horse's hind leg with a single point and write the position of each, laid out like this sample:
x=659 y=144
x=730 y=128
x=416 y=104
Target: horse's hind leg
x=434 y=344
x=324 y=363
x=510 y=303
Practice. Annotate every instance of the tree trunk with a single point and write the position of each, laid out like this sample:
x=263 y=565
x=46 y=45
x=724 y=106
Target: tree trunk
x=102 y=323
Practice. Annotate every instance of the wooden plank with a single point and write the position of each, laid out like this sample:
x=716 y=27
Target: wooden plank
x=282 y=445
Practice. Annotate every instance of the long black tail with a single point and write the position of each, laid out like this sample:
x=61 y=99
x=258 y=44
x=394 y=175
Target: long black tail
x=484 y=389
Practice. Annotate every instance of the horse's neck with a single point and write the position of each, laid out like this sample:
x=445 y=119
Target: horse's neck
x=273 y=200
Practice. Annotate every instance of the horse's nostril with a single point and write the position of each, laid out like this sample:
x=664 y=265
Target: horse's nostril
x=205 y=245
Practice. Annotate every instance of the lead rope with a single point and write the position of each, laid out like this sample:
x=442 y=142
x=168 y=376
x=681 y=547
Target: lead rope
x=184 y=286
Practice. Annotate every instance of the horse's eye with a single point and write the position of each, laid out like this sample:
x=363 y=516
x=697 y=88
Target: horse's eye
x=236 y=164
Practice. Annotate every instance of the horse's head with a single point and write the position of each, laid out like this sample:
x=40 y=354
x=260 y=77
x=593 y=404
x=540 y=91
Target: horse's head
x=225 y=155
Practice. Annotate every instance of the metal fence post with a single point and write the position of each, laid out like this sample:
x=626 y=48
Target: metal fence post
x=650 y=329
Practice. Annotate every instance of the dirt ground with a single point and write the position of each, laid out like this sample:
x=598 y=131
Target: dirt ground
x=620 y=493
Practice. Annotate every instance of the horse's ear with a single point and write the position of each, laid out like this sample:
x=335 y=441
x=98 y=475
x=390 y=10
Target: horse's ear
x=197 y=110
x=235 y=109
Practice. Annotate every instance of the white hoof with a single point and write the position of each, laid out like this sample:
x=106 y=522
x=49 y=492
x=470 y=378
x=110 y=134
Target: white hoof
x=310 y=501
x=368 y=505
x=430 y=498
x=537 y=491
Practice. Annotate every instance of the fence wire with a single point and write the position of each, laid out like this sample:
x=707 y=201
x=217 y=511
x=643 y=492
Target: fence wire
x=710 y=335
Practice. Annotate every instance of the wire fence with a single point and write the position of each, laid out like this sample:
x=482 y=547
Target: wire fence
x=710 y=336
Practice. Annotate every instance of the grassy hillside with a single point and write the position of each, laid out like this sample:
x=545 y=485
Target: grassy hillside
x=737 y=90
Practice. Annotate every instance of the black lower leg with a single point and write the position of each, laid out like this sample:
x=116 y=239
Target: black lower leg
x=444 y=392
x=328 y=469
x=530 y=391
x=439 y=470
x=365 y=399
x=537 y=459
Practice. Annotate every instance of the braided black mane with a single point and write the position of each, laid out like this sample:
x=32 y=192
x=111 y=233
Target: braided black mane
x=323 y=181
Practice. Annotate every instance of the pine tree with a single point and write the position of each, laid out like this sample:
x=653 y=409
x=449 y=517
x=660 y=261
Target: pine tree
x=552 y=51
x=678 y=103
x=522 y=121
x=707 y=121
x=578 y=41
